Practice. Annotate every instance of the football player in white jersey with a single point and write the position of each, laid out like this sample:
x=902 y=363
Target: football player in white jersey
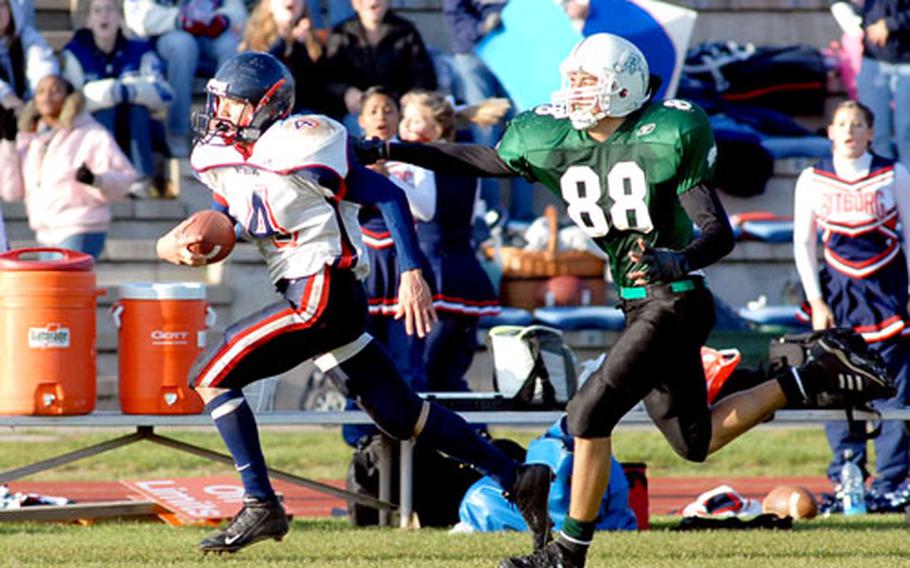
x=290 y=185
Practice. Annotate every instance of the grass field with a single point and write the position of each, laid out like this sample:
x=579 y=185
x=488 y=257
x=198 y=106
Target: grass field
x=880 y=541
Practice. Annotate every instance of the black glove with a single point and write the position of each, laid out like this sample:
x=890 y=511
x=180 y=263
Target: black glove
x=85 y=175
x=664 y=265
x=371 y=150
x=8 y=126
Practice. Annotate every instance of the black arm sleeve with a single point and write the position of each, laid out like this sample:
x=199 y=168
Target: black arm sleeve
x=455 y=159
x=716 y=240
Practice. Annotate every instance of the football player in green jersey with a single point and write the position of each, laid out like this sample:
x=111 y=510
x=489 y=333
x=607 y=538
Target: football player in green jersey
x=635 y=176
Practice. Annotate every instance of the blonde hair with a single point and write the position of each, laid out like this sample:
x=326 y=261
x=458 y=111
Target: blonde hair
x=449 y=118
x=440 y=108
x=261 y=31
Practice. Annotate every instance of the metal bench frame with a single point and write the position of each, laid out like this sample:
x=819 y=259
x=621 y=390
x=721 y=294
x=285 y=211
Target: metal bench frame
x=145 y=425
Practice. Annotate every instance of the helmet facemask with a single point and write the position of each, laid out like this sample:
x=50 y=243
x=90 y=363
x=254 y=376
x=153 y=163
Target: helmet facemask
x=621 y=86
x=245 y=123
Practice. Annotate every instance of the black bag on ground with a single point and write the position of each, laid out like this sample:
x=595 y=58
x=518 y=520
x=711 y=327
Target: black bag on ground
x=440 y=482
x=793 y=351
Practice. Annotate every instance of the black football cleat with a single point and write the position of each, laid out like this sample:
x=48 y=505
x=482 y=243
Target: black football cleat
x=551 y=556
x=849 y=368
x=257 y=520
x=530 y=492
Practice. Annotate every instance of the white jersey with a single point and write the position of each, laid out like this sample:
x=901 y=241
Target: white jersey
x=857 y=204
x=288 y=195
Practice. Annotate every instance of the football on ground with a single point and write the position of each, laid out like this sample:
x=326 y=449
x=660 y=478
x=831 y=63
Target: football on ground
x=790 y=500
x=212 y=233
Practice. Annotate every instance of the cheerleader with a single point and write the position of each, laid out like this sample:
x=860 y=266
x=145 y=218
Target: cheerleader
x=463 y=291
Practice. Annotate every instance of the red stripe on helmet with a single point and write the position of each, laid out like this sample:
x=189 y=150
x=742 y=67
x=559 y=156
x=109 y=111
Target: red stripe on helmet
x=269 y=94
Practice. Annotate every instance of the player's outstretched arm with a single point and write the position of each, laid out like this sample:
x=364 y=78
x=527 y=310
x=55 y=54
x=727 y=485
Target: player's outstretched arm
x=443 y=157
x=415 y=303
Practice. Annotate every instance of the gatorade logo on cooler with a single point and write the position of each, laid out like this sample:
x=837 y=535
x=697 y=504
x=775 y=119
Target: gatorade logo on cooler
x=161 y=337
x=54 y=336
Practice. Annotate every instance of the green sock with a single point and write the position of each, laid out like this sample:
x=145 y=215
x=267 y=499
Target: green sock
x=575 y=536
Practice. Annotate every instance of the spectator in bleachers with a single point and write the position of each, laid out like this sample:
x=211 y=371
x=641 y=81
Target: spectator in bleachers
x=858 y=198
x=375 y=47
x=66 y=166
x=122 y=83
x=25 y=58
x=472 y=81
x=883 y=83
x=285 y=29
x=193 y=37
x=463 y=291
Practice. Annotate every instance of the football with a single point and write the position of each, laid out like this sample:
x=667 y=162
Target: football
x=213 y=232
x=564 y=290
x=790 y=500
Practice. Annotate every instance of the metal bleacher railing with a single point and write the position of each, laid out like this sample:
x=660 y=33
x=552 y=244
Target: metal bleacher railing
x=144 y=426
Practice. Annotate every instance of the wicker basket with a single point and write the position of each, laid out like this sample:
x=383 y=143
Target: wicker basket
x=518 y=262
x=525 y=273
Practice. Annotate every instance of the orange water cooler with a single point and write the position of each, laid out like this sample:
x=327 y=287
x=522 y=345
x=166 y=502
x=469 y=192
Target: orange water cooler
x=48 y=300
x=162 y=329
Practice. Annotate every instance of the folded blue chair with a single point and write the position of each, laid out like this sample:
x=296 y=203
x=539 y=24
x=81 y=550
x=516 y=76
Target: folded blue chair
x=507 y=316
x=769 y=231
x=567 y=318
x=774 y=315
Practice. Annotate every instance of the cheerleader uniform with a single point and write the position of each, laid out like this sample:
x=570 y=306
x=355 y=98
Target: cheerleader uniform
x=407 y=351
x=858 y=205
x=463 y=291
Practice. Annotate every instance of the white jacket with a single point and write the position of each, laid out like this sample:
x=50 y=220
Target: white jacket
x=150 y=18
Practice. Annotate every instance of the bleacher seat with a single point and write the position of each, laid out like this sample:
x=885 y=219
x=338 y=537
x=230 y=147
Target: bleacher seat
x=774 y=315
x=770 y=231
x=507 y=316
x=568 y=318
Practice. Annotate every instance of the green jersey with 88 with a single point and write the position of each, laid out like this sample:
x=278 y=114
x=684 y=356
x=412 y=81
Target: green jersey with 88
x=625 y=188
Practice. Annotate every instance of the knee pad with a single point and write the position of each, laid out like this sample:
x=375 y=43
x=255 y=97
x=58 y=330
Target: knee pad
x=362 y=370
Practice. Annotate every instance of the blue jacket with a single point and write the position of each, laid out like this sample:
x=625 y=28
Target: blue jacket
x=897 y=15
x=131 y=73
x=484 y=508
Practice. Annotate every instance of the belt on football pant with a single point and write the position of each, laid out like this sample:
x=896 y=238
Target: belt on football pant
x=661 y=290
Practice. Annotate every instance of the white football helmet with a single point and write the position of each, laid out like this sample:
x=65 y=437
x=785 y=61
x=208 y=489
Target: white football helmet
x=622 y=80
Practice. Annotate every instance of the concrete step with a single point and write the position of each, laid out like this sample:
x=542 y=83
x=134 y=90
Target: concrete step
x=133 y=219
x=756 y=269
x=776 y=198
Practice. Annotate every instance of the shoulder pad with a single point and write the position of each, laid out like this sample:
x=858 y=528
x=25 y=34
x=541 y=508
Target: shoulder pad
x=541 y=114
x=210 y=155
x=682 y=114
x=300 y=141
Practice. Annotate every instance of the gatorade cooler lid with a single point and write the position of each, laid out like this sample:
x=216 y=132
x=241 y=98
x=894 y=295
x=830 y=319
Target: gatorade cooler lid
x=45 y=259
x=162 y=291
